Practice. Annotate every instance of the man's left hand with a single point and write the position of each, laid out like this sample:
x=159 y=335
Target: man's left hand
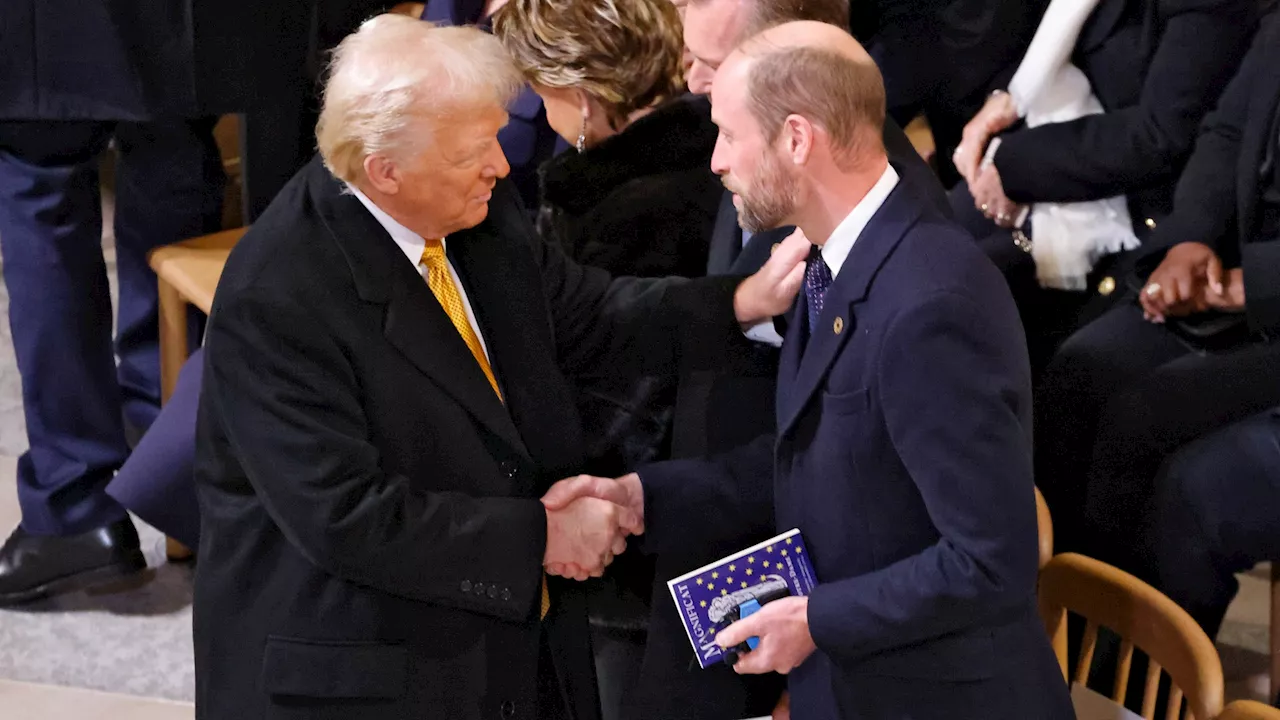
x=783 y=629
x=773 y=288
x=988 y=197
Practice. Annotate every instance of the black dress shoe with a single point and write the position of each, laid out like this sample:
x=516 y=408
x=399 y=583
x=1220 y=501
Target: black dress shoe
x=35 y=566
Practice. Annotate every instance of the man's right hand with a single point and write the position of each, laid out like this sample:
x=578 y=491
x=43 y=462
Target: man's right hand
x=773 y=288
x=1177 y=287
x=588 y=520
x=595 y=498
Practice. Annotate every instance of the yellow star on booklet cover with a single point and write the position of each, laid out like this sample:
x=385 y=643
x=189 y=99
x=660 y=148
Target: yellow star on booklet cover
x=706 y=610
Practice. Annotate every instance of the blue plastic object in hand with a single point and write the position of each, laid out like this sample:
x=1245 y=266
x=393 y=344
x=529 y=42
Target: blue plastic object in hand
x=746 y=610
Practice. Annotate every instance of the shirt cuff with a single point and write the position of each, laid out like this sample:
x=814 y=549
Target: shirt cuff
x=764 y=332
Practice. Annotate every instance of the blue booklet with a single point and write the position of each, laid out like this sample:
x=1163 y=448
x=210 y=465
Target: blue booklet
x=711 y=598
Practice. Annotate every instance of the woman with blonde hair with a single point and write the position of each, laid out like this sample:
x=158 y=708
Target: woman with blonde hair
x=638 y=197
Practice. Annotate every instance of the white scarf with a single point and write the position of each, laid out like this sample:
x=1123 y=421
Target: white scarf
x=1068 y=238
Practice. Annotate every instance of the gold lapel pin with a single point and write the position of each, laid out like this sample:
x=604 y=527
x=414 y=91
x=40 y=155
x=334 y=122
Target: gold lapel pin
x=838 y=326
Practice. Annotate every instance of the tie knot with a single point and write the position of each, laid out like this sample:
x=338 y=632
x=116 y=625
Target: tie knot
x=432 y=252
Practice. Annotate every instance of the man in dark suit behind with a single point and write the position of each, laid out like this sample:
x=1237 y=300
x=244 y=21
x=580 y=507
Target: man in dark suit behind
x=381 y=413
x=903 y=427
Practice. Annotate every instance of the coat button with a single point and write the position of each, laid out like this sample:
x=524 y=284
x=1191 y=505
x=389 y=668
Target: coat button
x=1107 y=286
x=465 y=586
x=508 y=709
x=1150 y=223
x=493 y=592
x=506 y=595
x=479 y=588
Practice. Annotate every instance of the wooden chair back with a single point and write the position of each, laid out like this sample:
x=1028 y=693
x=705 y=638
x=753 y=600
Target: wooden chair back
x=1146 y=620
x=1044 y=523
x=1249 y=710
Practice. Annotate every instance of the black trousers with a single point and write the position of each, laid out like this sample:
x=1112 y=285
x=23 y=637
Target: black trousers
x=1118 y=398
x=1217 y=514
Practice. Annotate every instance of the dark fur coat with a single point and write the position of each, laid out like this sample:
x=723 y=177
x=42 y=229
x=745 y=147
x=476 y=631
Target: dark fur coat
x=641 y=202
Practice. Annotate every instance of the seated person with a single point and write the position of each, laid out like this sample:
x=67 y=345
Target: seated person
x=1147 y=94
x=639 y=197
x=1195 y=352
x=156 y=482
x=941 y=58
x=1218 y=514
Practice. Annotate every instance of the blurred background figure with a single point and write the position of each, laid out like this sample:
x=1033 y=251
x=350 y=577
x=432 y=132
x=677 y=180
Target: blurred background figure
x=1152 y=93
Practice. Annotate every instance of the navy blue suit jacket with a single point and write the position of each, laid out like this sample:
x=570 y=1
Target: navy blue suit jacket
x=903 y=454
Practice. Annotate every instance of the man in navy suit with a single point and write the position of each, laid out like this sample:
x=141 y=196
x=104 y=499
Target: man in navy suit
x=903 y=427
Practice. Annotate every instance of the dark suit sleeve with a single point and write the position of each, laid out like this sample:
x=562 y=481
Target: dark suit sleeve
x=1204 y=203
x=693 y=503
x=288 y=401
x=1125 y=149
x=952 y=390
x=596 y=316
x=1261 y=264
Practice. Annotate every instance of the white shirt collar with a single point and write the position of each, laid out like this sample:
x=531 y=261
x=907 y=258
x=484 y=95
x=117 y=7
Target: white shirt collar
x=410 y=242
x=837 y=247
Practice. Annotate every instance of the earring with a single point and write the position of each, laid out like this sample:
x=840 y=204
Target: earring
x=582 y=134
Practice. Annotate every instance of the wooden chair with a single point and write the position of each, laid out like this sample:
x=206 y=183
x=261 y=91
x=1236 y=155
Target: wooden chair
x=1044 y=524
x=1249 y=710
x=186 y=274
x=1146 y=620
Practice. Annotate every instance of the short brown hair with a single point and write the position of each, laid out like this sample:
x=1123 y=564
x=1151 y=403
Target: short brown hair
x=841 y=95
x=768 y=13
x=624 y=53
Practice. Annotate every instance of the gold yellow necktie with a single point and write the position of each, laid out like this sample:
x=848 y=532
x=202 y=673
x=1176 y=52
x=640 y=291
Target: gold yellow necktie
x=442 y=286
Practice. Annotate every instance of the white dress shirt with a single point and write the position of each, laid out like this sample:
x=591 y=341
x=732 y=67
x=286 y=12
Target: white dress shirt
x=836 y=250
x=412 y=245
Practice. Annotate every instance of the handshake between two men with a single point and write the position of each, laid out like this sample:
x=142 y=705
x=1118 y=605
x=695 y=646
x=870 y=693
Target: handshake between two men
x=588 y=522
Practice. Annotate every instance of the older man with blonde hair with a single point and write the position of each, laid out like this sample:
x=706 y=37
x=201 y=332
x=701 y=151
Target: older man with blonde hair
x=385 y=401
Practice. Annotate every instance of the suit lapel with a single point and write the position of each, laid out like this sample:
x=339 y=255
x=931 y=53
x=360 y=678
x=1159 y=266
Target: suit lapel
x=414 y=324
x=1258 y=135
x=726 y=238
x=806 y=365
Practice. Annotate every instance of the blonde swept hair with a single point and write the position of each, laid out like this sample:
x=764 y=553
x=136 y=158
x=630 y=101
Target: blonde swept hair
x=395 y=69
x=624 y=53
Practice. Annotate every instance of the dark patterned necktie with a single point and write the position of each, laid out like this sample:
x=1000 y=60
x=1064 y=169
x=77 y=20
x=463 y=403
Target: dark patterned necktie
x=817 y=278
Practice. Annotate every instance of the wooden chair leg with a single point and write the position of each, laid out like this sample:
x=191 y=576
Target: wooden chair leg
x=1275 y=629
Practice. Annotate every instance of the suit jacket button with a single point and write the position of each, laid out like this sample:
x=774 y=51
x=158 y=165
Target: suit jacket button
x=493 y=592
x=1150 y=223
x=506 y=595
x=465 y=586
x=1107 y=286
x=838 y=325
x=508 y=709
x=479 y=588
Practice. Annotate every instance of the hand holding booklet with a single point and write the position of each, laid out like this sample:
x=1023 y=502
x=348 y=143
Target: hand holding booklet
x=713 y=597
